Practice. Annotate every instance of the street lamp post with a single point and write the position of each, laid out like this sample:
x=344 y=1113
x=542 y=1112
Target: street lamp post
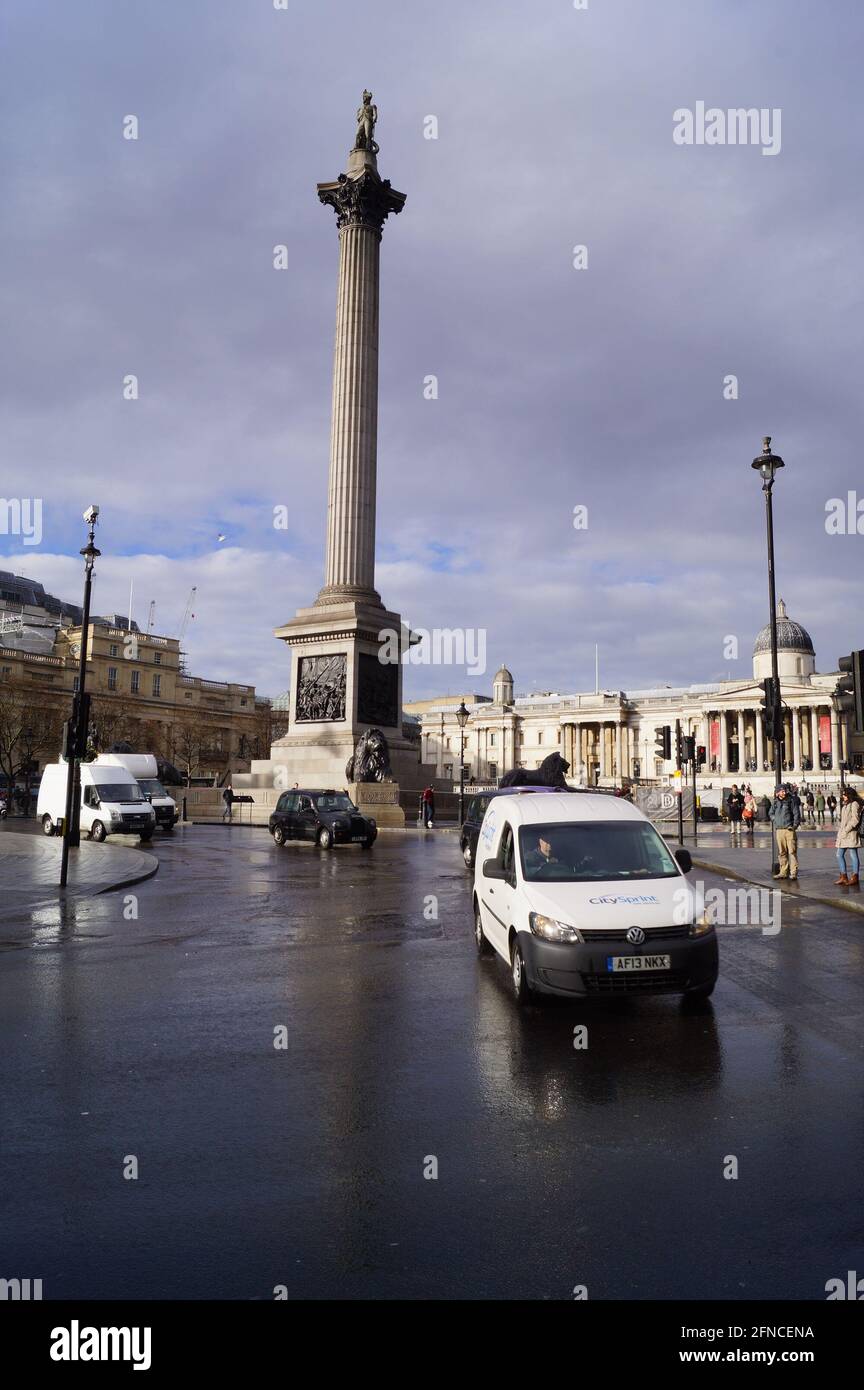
x=28 y=754
x=462 y=717
x=77 y=747
x=767 y=464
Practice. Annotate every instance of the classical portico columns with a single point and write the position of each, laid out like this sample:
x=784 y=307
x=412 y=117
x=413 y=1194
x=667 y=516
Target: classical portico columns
x=814 y=736
x=760 y=743
x=796 y=738
x=742 y=745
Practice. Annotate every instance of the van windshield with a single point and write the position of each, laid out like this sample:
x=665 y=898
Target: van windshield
x=119 y=791
x=151 y=786
x=594 y=851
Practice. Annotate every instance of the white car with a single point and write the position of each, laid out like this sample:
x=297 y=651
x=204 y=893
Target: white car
x=581 y=896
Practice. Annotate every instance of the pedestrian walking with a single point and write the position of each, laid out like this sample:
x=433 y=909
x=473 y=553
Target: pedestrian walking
x=811 y=802
x=228 y=798
x=749 y=812
x=786 y=818
x=735 y=808
x=848 y=838
x=831 y=803
x=428 y=807
x=820 y=808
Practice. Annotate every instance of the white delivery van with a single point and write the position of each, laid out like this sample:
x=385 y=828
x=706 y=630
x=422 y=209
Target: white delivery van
x=145 y=771
x=582 y=897
x=112 y=803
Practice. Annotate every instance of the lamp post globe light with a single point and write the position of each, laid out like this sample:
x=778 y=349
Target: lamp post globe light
x=767 y=465
x=462 y=717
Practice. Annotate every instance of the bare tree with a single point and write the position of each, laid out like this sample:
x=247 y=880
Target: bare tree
x=27 y=730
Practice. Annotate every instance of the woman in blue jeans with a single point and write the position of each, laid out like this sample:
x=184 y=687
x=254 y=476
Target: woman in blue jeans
x=848 y=838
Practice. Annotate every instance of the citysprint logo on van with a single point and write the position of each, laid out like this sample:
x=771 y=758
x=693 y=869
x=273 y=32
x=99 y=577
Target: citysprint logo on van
x=737 y=126
x=22 y=516
x=610 y=899
x=731 y=907
x=437 y=646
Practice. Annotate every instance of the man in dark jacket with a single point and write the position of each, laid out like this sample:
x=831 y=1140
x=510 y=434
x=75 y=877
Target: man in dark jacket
x=786 y=818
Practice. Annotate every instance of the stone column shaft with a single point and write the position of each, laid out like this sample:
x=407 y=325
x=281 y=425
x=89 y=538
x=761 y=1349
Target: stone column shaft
x=350 y=561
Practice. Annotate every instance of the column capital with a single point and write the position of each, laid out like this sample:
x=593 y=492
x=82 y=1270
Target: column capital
x=364 y=200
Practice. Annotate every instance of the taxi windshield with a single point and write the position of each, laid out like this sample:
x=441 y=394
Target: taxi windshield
x=594 y=851
x=334 y=801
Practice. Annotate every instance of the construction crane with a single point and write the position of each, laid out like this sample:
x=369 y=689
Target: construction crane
x=151 y=616
x=188 y=614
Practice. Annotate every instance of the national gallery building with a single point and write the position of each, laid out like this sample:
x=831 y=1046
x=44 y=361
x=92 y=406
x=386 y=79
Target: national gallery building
x=609 y=736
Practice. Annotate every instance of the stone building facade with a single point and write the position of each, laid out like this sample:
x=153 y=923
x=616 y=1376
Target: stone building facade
x=140 y=691
x=608 y=736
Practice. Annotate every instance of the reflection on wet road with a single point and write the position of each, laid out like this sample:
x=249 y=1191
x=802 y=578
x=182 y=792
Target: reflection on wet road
x=153 y=1034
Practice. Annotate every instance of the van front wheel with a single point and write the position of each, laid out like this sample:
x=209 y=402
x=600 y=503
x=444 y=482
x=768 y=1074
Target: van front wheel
x=47 y=825
x=521 y=989
x=97 y=831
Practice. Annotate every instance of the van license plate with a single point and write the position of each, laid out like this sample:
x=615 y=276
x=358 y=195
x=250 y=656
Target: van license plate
x=617 y=963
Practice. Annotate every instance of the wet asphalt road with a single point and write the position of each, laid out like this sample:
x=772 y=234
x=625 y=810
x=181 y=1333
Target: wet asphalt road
x=303 y=1166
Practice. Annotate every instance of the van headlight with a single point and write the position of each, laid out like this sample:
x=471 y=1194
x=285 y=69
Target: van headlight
x=700 y=926
x=550 y=929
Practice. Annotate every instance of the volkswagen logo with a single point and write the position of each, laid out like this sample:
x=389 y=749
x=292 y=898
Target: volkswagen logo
x=635 y=936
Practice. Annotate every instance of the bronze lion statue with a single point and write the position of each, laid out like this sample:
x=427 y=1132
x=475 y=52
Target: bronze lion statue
x=370 y=761
x=550 y=773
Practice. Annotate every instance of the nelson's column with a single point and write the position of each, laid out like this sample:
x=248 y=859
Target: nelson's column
x=339 y=687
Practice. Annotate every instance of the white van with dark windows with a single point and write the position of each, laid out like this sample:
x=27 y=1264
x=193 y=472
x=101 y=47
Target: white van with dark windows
x=582 y=897
x=112 y=803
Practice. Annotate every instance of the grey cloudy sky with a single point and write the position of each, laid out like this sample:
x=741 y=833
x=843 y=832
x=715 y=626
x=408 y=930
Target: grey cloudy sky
x=557 y=387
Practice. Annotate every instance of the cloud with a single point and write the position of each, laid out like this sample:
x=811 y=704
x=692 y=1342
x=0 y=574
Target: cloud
x=557 y=387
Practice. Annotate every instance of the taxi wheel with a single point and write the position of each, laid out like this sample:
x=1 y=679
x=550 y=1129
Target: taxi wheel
x=483 y=947
x=521 y=989
x=278 y=834
x=325 y=838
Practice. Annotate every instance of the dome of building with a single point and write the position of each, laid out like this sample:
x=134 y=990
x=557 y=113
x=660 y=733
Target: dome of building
x=791 y=636
x=502 y=674
x=796 y=659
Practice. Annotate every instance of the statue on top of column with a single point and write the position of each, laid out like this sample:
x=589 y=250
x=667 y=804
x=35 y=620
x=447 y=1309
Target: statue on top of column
x=367 y=115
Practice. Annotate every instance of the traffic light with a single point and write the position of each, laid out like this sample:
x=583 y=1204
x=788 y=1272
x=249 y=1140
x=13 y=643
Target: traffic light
x=851 y=687
x=76 y=729
x=679 y=745
x=701 y=755
x=772 y=718
x=689 y=749
x=663 y=742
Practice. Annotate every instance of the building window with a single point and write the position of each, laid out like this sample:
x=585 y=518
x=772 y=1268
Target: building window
x=157 y=686
x=446 y=743
x=112 y=650
x=157 y=658
x=493 y=772
x=76 y=683
x=540 y=738
x=112 y=677
x=136 y=682
x=7 y=670
x=491 y=740
x=243 y=701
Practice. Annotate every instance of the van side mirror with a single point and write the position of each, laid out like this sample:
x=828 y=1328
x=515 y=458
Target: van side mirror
x=685 y=862
x=492 y=869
